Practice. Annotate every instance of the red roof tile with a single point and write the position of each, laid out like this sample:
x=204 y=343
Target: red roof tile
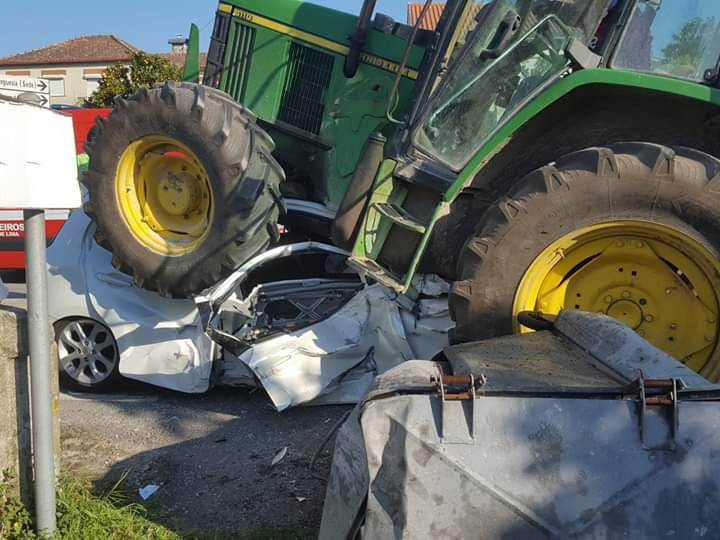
x=178 y=59
x=432 y=17
x=435 y=11
x=80 y=50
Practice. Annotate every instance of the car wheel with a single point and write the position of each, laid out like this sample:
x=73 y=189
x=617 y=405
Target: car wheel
x=88 y=355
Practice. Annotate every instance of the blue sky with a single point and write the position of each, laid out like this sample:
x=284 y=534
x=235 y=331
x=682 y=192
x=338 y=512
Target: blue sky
x=147 y=24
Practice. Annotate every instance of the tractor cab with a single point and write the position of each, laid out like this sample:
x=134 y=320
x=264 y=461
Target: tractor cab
x=519 y=48
x=468 y=91
x=477 y=82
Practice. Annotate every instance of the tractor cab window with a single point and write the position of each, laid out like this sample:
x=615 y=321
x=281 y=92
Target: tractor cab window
x=517 y=48
x=582 y=16
x=680 y=39
x=479 y=95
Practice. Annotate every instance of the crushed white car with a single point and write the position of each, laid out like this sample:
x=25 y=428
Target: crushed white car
x=302 y=339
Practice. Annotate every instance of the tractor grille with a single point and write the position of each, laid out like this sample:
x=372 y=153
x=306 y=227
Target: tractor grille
x=308 y=78
x=218 y=39
x=238 y=66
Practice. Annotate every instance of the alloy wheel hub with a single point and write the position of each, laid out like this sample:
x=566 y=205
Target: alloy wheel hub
x=87 y=352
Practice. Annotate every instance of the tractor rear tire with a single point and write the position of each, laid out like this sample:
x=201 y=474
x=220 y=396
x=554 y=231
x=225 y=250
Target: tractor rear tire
x=182 y=187
x=648 y=219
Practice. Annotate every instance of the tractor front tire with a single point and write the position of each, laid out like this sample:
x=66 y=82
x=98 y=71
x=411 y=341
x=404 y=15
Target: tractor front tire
x=182 y=187
x=631 y=230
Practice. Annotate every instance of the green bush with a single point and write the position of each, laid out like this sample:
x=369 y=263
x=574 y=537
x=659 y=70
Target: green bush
x=15 y=520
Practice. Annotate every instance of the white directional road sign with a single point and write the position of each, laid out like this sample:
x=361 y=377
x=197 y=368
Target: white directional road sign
x=37 y=153
x=29 y=89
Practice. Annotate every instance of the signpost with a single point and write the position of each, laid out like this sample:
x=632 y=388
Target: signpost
x=27 y=89
x=39 y=172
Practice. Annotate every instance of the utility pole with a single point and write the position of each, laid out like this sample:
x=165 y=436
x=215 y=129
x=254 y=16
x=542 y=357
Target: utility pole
x=40 y=371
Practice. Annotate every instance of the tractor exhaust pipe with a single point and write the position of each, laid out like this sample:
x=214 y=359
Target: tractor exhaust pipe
x=347 y=220
x=358 y=39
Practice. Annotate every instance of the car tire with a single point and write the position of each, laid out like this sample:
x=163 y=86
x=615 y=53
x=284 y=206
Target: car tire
x=88 y=355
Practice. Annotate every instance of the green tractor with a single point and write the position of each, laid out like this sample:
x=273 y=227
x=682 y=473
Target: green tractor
x=541 y=155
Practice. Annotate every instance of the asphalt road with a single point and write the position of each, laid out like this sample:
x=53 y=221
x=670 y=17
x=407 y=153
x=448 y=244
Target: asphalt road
x=210 y=454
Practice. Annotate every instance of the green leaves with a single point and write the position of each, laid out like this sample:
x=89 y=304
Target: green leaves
x=124 y=80
x=15 y=520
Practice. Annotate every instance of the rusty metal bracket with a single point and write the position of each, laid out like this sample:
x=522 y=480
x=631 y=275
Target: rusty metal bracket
x=455 y=387
x=664 y=394
x=457 y=393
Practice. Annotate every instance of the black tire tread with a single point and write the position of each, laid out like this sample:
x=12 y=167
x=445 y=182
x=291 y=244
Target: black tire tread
x=229 y=132
x=689 y=168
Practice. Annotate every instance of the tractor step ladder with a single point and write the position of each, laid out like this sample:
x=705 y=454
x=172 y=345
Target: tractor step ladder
x=400 y=217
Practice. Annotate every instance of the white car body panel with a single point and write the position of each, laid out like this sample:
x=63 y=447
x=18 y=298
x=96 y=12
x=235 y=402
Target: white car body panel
x=163 y=341
x=370 y=334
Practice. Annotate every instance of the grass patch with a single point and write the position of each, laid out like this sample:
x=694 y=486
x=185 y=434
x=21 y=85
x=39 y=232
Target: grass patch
x=111 y=515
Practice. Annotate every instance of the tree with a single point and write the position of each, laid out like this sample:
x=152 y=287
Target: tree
x=686 y=47
x=124 y=80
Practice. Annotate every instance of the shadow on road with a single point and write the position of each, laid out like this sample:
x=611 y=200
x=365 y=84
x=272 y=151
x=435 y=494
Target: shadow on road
x=210 y=454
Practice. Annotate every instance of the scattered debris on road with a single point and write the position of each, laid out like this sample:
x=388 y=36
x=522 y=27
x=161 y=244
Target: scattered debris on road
x=148 y=491
x=279 y=457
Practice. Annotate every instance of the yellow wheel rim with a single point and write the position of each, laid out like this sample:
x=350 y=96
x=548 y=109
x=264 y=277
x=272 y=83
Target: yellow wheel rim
x=659 y=281
x=164 y=195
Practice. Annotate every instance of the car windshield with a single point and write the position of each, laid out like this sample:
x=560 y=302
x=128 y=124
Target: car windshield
x=680 y=38
x=482 y=91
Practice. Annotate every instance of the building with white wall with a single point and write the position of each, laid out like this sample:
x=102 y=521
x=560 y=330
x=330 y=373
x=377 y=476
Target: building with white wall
x=73 y=67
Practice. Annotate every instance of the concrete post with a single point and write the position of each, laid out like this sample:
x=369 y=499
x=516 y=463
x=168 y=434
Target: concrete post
x=15 y=424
